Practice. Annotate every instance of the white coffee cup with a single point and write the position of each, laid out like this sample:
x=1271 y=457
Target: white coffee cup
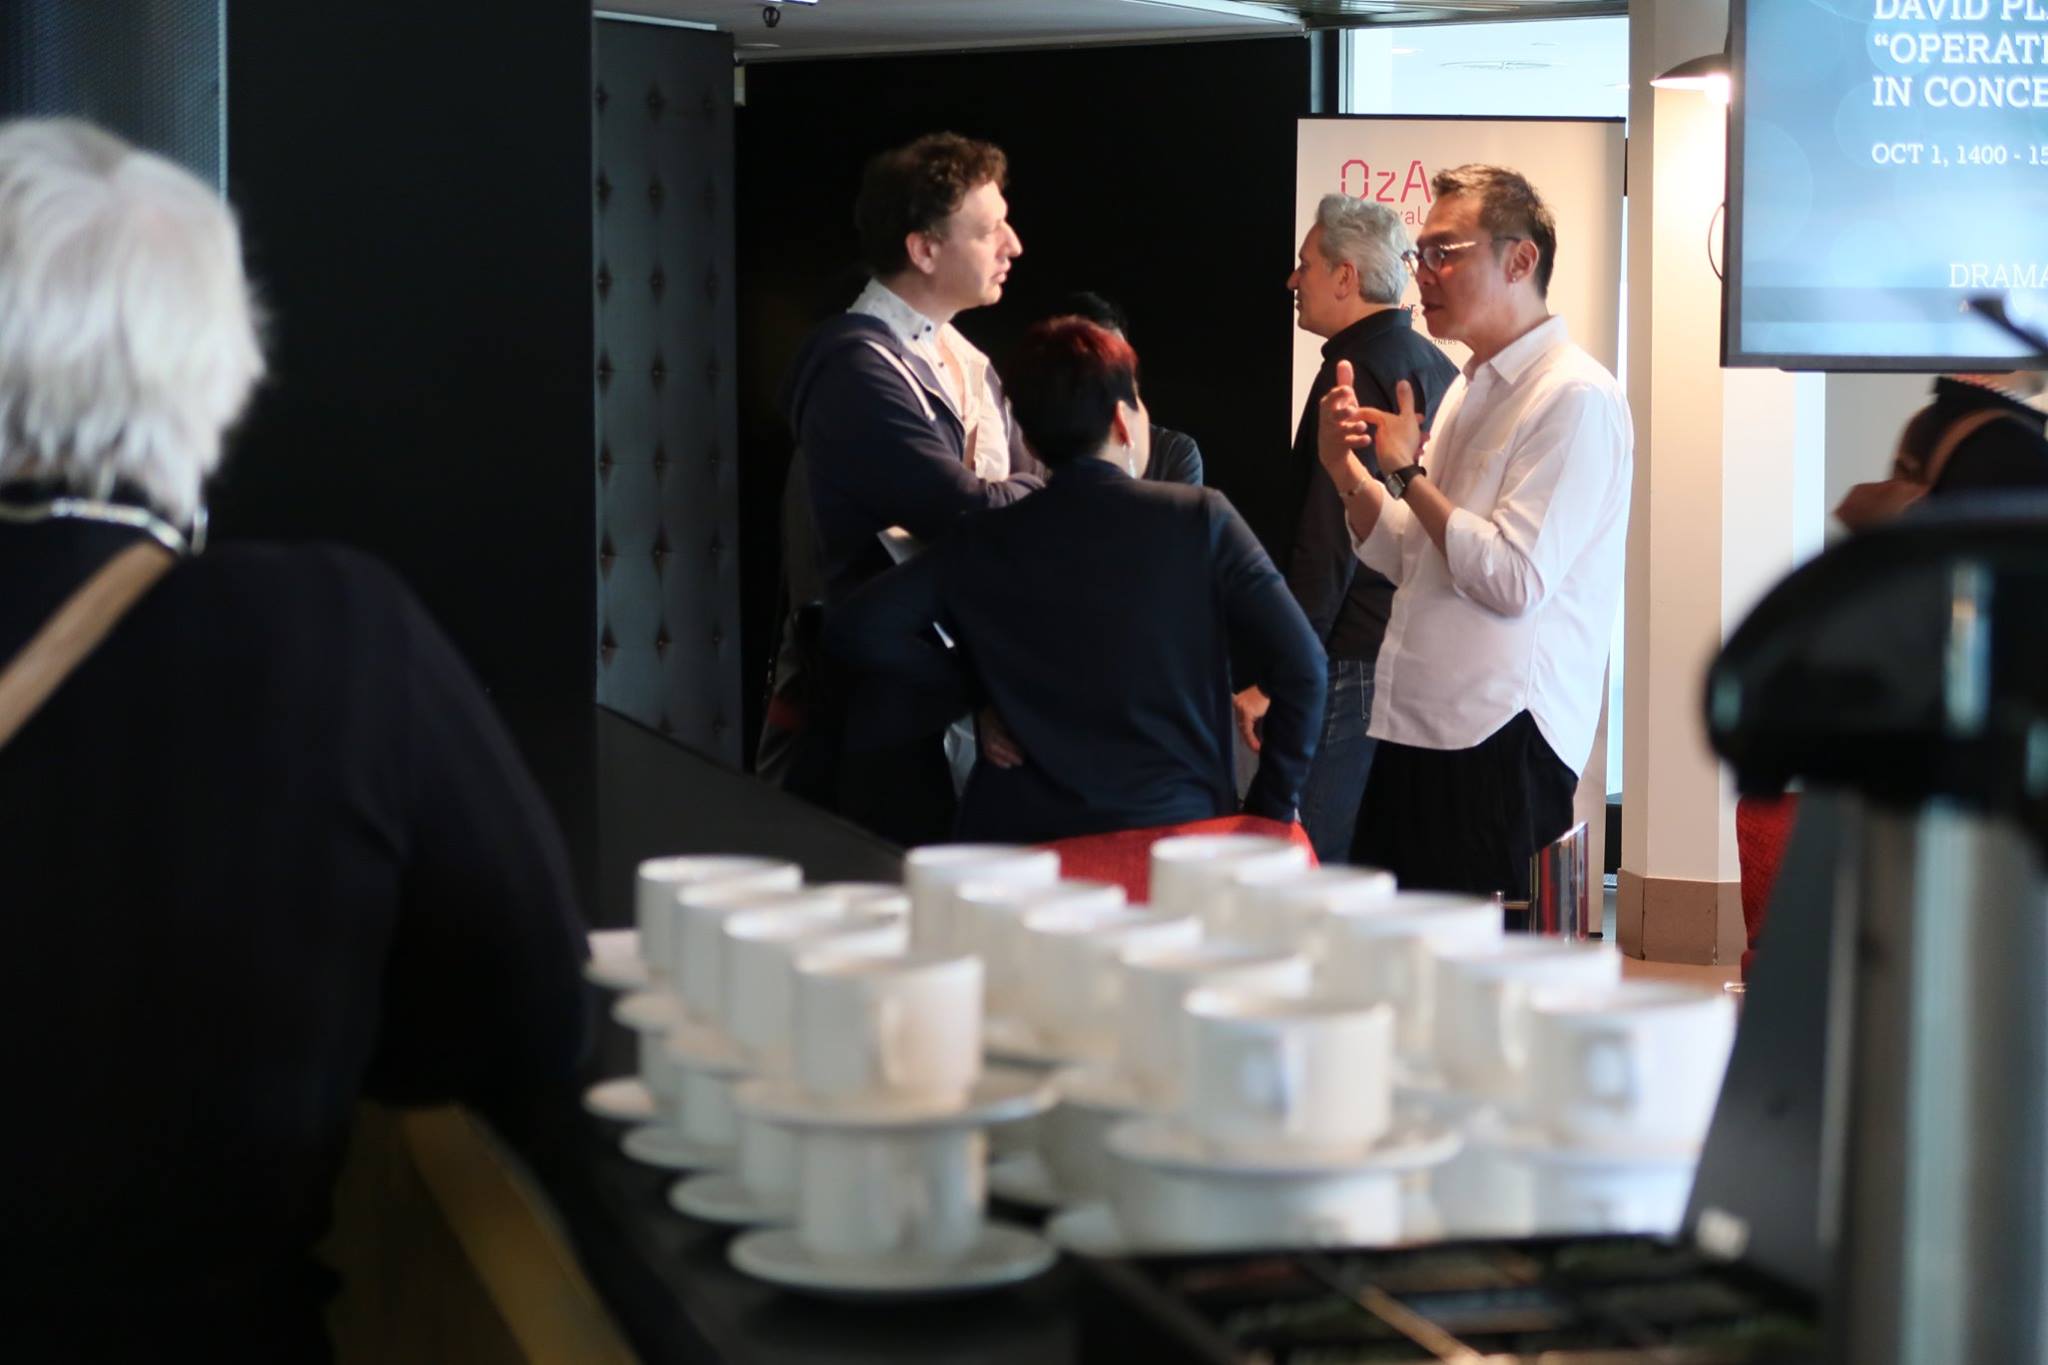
x=768 y=1165
x=875 y=897
x=888 y=1030
x=762 y=947
x=650 y=1015
x=699 y=969
x=1386 y=952
x=1639 y=1064
x=704 y=1111
x=989 y=918
x=1268 y=1073
x=910 y=1197
x=931 y=872
x=1261 y=904
x=1482 y=999
x=1072 y=962
x=654 y=894
x=1190 y=871
x=1152 y=1025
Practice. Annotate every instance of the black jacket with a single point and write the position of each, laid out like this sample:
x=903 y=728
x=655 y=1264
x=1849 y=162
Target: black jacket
x=267 y=850
x=881 y=446
x=1099 y=618
x=1347 y=603
x=1175 y=457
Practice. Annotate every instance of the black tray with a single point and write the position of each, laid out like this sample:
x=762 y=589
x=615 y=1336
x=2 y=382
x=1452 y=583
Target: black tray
x=1563 y=1301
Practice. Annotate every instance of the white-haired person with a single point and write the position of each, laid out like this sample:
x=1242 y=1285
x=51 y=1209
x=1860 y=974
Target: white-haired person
x=266 y=849
x=1347 y=284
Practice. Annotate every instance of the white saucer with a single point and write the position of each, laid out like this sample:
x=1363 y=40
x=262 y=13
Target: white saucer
x=656 y=1144
x=1088 y=1230
x=1538 y=1147
x=1169 y=1143
x=697 y=1047
x=721 y=1197
x=1024 y=1180
x=1013 y=1042
x=624 y=1099
x=649 y=1011
x=1005 y=1255
x=615 y=960
x=1097 y=1085
x=1000 y=1096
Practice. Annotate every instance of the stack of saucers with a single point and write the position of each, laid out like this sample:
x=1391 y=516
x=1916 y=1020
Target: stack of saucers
x=887 y=1103
x=636 y=962
x=755 y=1180
x=1285 y=1133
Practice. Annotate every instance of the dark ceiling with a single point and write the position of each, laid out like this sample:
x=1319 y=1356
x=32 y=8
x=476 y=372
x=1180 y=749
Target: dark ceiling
x=1358 y=13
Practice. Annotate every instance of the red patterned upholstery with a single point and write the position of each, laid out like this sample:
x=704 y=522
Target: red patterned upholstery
x=1126 y=856
x=1763 y=826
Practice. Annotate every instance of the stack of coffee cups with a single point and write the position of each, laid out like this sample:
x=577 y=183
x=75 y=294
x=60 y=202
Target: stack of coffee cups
x=1285 y=1133
x=638 y=962
x=886 y=1102
x=1072 y=1163
x=1620 y=1086
x=761 y=949
x=698 y=1130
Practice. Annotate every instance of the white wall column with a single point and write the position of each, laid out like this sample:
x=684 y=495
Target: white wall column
x=1728 y=487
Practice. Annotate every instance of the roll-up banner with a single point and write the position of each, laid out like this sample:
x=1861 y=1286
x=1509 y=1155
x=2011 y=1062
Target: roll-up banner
x=1575 y=164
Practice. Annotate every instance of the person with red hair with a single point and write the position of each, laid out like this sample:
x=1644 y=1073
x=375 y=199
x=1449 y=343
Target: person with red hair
x=1100 y=620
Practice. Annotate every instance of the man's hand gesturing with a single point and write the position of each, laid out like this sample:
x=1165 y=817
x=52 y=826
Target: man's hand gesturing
x=1399 y=442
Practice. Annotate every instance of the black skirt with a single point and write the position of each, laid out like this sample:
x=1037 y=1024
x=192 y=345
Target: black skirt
x=1465 y=819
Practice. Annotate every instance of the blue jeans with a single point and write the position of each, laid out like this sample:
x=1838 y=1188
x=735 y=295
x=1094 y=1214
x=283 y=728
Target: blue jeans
x=1336 y=778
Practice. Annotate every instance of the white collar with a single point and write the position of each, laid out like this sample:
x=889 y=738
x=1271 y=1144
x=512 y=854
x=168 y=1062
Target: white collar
x=880 y=301
x=1513 y=360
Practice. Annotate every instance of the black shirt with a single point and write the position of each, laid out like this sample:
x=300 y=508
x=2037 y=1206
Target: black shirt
x=268 y=849
x=1347 y=603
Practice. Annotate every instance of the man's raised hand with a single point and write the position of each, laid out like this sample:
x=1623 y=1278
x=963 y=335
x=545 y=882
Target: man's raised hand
x=1400 y=433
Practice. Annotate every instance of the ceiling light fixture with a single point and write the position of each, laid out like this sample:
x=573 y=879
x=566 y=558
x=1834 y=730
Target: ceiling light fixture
x=1711 y=75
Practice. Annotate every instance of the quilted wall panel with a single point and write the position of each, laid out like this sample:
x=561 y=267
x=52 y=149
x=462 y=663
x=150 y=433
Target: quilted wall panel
x=662 y=290
x=149 y=70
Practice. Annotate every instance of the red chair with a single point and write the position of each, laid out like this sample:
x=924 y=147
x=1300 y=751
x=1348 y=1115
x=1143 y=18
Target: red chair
x=1125 y=856
x=1763 y=827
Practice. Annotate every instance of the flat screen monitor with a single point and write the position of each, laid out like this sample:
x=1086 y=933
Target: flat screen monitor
x=1887 y=163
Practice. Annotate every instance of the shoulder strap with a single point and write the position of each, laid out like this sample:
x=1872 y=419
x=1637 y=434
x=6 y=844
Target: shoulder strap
x=75 y=630
x=1961 y=430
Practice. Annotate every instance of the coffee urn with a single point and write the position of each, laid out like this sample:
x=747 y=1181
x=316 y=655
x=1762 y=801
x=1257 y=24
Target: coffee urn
x=1900 y=680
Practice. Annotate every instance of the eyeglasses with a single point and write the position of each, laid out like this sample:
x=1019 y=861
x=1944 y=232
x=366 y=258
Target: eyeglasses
x=1436 y=253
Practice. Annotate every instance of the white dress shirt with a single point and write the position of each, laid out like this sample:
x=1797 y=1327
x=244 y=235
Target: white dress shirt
x=974 y=402
x=1534 y=450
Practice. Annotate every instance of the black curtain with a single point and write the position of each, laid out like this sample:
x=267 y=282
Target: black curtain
x=1162 y=176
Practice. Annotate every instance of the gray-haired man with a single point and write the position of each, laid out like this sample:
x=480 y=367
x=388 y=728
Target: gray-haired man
x=1347 y=289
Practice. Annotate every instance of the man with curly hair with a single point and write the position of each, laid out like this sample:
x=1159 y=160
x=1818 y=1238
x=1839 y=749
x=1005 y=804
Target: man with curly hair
x=901 y=428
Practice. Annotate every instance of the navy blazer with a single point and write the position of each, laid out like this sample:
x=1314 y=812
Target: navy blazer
x=882 y=446
x=1100 y=619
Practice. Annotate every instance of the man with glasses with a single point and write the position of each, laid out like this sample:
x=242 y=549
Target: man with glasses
x=1506 y=552
x=1347 y=289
